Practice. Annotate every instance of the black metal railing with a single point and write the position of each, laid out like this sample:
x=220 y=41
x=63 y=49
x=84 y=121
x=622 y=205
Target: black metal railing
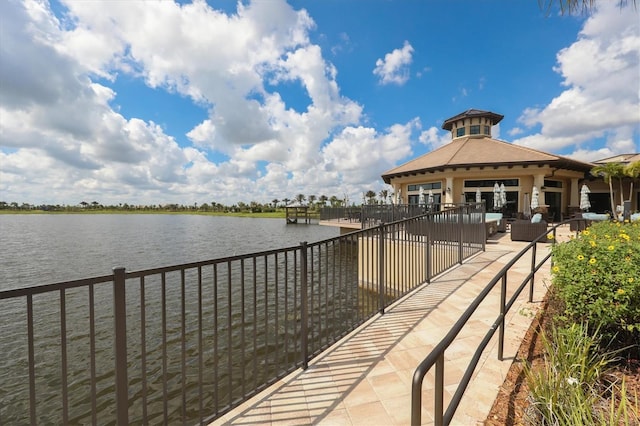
x=186 y=343
x=368 y=215
x=437 y=355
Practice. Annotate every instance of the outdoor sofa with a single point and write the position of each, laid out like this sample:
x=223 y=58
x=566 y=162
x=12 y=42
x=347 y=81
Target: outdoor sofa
x=525 y=230
x=584 y=220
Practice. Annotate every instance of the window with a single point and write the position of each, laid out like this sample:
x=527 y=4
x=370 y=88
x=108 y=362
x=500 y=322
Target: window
x=487 y=130
x=425 y=186
x=553 y=183
x=490 y=183
x=415 y=199
x=460 y=131
x=475 y=129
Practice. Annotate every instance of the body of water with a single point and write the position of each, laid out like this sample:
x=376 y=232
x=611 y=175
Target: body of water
x=42 y=249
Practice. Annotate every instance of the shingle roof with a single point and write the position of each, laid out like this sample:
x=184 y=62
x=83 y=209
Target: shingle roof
x=621 y=158
x=481 y=151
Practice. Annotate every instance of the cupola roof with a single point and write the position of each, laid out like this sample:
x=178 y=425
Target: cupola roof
x=472 y=113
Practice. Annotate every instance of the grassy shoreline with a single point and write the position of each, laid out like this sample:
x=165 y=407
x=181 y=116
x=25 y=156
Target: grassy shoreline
x=279 y=214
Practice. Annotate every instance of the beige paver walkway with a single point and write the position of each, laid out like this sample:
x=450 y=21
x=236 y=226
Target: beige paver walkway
x=365 y=379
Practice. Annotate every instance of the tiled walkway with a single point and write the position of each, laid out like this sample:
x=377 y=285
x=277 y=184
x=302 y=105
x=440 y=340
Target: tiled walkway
x=365 y=379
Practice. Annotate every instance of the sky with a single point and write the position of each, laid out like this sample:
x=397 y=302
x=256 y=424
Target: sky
x=158 y=102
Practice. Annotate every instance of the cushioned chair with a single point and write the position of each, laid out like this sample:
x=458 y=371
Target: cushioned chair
x=524 y=230
x=578 y=223
x=500 y=222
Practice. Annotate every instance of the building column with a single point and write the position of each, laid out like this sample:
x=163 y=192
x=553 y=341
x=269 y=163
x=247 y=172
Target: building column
x=574 y=191
x=538 y=182
x=448 y=190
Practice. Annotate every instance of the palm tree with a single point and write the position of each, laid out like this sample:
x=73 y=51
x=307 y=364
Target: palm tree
x=370 y=195
x=333 y=200
x=384 y=193
x=312 y=199
x=286 y=201
x=323 y=200
x=275 y=202
x=632 y=170
x=575 y=6
x=300 y=198
x=609 y=171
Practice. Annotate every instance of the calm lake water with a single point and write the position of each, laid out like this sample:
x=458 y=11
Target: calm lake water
x=42 y=249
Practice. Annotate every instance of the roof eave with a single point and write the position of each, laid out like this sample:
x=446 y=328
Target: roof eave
x=561 y=162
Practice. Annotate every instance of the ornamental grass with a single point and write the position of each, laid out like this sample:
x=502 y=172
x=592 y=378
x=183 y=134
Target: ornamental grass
x=574 y=387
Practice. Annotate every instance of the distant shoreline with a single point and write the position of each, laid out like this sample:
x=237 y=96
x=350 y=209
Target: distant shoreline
x=265 y=215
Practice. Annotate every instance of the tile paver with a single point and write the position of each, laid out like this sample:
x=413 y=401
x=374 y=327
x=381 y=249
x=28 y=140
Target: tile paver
x=365 y=379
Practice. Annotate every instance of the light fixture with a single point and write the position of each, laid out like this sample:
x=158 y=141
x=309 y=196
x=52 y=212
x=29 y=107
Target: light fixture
x=448 y=190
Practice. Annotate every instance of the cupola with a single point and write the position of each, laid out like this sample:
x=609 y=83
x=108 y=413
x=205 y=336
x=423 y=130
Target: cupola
x=472 y=123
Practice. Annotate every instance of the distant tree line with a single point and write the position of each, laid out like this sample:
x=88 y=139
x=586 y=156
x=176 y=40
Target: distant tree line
x=313 y=201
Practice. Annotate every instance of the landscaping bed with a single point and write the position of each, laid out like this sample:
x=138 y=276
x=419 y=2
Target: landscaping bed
x=579 y=362
x=513 y=400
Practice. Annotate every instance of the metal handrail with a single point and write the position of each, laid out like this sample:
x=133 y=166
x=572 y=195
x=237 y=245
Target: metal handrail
x=436 y=357
x=369 y=215
x=226 y=328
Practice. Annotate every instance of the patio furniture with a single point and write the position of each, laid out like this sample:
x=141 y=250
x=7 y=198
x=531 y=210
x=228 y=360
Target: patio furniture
x=500 y=222
x=578 y=223
x=596 y=216
x=584 y=220
x=524 y=230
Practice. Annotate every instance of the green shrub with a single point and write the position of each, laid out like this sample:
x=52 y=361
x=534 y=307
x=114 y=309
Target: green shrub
x=597 y=276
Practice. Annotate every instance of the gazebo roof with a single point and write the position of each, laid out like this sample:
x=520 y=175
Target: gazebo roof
x=476 y=152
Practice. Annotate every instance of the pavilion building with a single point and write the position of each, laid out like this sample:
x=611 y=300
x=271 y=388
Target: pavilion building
x=474 y=160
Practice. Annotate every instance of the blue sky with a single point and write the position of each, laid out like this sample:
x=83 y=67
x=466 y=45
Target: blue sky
x=162 y=102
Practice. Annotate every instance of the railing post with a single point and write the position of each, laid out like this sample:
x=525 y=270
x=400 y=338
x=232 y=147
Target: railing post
x=503 y=301
x=416 y=399
x=483 y=234
x=533 y=270
x=120 y=346
x=438 y=411
x=427 y=236
x=381 y=271
x=304 y=306
x=461 y=223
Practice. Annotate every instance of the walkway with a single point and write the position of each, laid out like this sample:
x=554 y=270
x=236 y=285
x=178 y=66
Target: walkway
x=365 y=379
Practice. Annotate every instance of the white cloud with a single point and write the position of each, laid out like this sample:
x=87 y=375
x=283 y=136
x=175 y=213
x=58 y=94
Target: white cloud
x=434 y=138
x=360 y=154
x=516 y=131
x=394 y=69
x=63 y=141
x=601 y=71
